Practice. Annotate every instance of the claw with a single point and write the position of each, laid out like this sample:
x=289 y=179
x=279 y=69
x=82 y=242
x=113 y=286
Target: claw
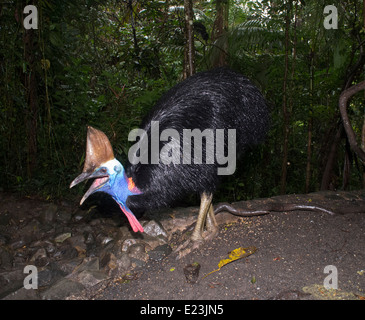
x=206 y=218
x=187 y=247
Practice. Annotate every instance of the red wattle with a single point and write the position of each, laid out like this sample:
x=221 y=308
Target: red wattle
x=136 y=226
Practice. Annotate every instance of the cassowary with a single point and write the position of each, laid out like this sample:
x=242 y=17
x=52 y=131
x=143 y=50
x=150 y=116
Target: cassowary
x=164 y=165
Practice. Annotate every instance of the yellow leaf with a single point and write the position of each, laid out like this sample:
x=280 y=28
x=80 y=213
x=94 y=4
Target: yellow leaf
x=234 y=255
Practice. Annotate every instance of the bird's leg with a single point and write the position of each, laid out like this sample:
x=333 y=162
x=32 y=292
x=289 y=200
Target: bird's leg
x=211 y=224
x=205 y=217
x=205 y=204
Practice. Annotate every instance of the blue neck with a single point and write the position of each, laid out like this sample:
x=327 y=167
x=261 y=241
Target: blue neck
x=119 y=187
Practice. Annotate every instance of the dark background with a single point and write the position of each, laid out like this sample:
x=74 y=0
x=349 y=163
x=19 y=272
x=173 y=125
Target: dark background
x=105 y=64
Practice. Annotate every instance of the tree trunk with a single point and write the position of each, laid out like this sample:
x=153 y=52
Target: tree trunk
x=310 y=125
x=189 y=52
x=309 y=155
x=327 y=174
x=30 y=84
x=344 y=99
x=346 y=172
x=286 y=115
x=220 y=28
x=135 y=41
x=363 y=143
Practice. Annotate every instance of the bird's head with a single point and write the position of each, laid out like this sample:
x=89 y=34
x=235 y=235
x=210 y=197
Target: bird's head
x=108 y=172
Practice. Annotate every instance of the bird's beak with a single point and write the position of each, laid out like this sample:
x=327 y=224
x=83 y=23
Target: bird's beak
x=83 y=176
x=100 y=179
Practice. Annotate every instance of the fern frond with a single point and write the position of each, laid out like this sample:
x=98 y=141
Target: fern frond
x=260 y=34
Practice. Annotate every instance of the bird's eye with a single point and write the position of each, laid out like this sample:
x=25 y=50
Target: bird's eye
x=103 y=170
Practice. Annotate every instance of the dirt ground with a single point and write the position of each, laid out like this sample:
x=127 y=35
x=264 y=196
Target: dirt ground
x=297 y=253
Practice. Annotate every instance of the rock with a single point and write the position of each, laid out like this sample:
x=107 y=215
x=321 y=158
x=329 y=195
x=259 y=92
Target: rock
x=68 y=266
x=138 y=262
x=96 y=222
x=154 y=229
x=63 y=217
x=62 y=237
x=89 y=264
x=17 y=244
x=31 y=231
x=114 y=222
x=108 y=261
x=37 y=243
x=6 y=259
x=88 y=272
x=49 y=275
x=46 y=244
x=103 y=239
x=149 y=241
x=48 y=215
x=69 y=204
x=136 y=249
x=123 y=262
x=11 y=281
x=78 y=216
x=124 y=233
x=3 y=238
x=160 y=252
x=5 y=218
x=23 y=294
x=66 y=252
x=127 y=243
x=62 y=289
x=153 y=242
x=183 y=217
x=89 y=238
x=19 y=260
x=137 y=253
x=78 y=242
x=39 y=259
x=113 y=265
x=90 y=278
x=40 y=253
x=50 y=248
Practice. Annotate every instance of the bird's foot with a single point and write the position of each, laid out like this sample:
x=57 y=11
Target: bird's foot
x=194 y=242
x=186 y=247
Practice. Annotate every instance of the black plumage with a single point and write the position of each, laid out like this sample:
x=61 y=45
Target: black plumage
x=217 y=99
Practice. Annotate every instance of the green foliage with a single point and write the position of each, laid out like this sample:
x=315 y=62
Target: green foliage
x=107 y=63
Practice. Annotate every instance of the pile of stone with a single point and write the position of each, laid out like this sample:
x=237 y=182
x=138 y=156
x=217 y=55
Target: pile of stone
x=71 y=251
